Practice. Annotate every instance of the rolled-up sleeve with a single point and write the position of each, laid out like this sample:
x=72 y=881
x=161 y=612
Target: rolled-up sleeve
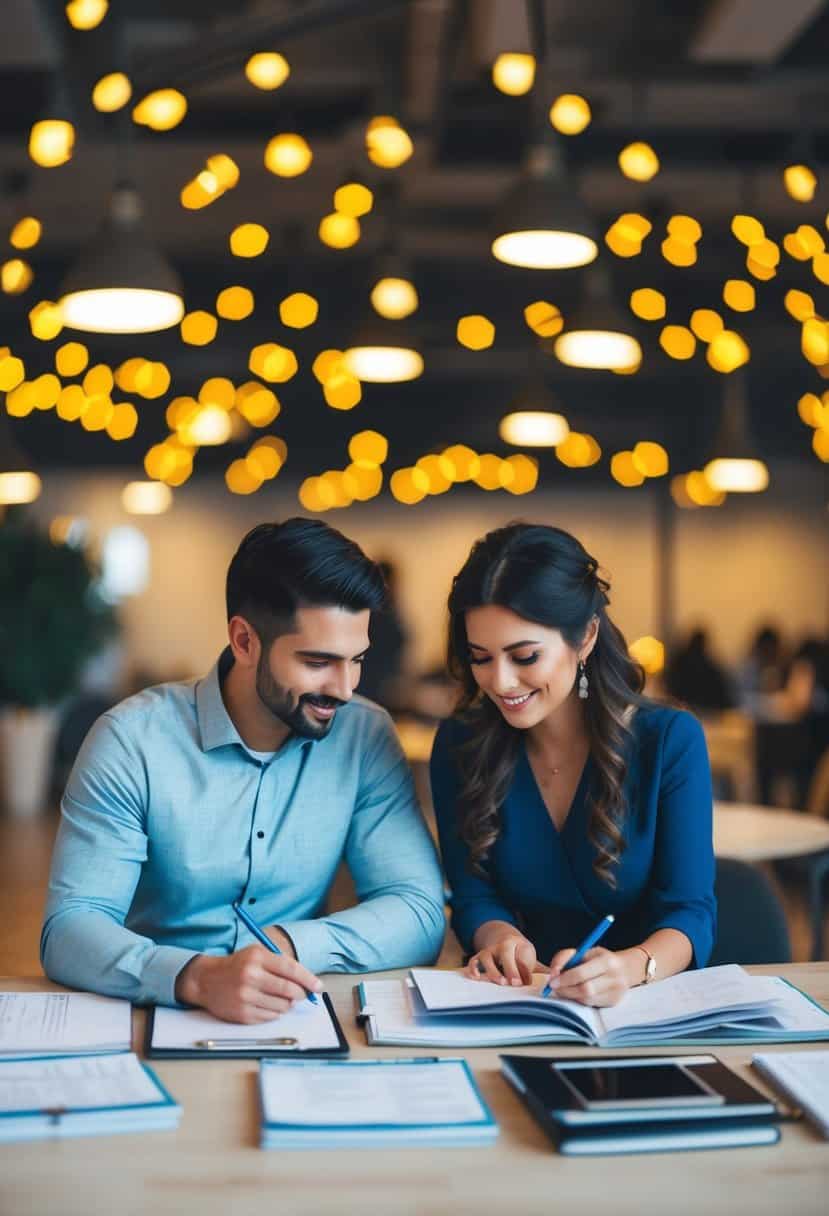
x=100 y=848
x=399 y=921
x=474 y=899
x=681 y=888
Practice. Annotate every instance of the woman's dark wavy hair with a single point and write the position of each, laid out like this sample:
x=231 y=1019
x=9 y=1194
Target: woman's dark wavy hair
x=545 y=575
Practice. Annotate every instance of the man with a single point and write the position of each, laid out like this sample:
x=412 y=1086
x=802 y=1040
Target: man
x=250 y=784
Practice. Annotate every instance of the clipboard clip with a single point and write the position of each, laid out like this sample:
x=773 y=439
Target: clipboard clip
x=243 y=1044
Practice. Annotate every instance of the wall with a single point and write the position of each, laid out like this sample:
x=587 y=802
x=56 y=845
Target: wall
x=762 y=557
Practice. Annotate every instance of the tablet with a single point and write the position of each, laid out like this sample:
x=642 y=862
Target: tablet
x=305 y=1030
x=619 y=1085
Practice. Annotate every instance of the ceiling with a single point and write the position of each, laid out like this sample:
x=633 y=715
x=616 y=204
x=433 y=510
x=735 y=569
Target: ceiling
x=725 y=90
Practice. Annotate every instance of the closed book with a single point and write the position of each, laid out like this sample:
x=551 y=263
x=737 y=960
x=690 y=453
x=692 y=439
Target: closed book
x=741 y=1116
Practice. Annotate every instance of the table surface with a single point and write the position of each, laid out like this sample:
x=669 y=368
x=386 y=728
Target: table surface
x=763 y=833
x=212 y=1165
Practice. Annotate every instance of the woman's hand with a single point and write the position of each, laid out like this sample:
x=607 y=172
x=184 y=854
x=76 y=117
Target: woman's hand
x=506 y=958
x=602 y=978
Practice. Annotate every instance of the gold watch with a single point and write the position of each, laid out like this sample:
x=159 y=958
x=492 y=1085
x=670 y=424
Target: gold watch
x=650 y=965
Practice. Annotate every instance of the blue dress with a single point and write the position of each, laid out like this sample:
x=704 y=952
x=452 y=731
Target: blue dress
x=542 y=880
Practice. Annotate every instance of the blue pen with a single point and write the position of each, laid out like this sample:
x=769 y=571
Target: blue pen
x=261 y=935
x=594 y=936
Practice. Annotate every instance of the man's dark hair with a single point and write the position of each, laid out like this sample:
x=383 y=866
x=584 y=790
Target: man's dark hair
x=280 y=567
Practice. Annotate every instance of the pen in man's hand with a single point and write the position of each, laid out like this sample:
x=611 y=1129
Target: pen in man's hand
x=594 y=936
x=261 y=936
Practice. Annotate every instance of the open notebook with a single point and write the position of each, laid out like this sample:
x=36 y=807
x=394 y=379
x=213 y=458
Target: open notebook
x=60 y=1023
x=715 y=1005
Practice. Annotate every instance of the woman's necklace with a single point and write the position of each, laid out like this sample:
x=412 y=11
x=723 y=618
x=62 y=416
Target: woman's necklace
x=554 y=770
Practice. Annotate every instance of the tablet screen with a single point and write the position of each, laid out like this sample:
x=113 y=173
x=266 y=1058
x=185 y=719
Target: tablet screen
x=607 y=1086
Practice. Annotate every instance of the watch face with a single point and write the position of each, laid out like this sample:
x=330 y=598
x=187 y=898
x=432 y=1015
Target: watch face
x=650 y=970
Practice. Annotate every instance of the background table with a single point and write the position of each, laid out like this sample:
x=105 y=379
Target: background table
x=212 y=1166
x=763 y=833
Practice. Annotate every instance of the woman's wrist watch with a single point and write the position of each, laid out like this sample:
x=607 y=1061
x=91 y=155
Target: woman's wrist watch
x=650 y=965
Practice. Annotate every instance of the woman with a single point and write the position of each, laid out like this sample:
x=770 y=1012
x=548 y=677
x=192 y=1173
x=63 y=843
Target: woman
x=561 y=793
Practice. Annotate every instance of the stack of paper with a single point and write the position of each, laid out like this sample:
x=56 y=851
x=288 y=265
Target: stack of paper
x=81 y=1096
x=803 y=1078
x=62 y=1023
x=361 y=1103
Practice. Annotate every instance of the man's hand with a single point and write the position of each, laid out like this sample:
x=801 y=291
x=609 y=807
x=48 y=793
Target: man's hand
x=253 y=985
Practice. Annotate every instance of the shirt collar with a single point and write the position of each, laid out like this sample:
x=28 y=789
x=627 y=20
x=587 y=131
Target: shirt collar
x=215 y=724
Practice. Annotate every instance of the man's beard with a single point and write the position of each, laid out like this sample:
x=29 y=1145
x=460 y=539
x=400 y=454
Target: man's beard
x=278 y=700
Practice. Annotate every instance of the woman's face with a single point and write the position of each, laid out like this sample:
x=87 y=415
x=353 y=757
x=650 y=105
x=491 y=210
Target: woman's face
x=527 y=670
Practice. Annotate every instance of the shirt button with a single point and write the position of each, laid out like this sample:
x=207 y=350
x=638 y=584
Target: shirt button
x=261 y=835
x=252 y=899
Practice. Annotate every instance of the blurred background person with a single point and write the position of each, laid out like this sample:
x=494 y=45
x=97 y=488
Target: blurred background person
x=382 y=678
x=762 y=670
x=694 y=677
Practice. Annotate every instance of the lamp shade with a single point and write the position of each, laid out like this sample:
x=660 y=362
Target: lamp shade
x=18 y=481
x=122 y=283
x=384 y=352
x=532 y=420
x=597 y=334
x=541 y=223
x=735 y=467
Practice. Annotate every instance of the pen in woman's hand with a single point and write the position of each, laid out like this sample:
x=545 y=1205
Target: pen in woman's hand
x=594 y=936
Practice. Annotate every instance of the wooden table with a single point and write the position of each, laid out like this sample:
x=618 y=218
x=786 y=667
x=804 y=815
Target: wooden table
x=212 y=1166
x=763 y=833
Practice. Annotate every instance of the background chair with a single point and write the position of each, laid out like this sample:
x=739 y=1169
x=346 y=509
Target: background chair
x=751 y=923
x=813 y=869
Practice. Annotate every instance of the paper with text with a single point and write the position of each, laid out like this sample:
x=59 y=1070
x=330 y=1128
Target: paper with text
x=680 y=997
x=76 y=1083
x=369 y=1094
x=35 y=1023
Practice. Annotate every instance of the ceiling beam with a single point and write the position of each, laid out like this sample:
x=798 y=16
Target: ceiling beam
x=227 y=49
x=751 y=31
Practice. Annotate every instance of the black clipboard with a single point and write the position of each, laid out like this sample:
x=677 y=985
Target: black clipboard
x=252 y=1053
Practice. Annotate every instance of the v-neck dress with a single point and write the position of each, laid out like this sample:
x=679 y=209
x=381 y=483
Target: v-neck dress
x=542 y=880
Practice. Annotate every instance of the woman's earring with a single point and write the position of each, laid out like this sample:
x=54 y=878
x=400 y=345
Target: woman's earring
x=583 y=688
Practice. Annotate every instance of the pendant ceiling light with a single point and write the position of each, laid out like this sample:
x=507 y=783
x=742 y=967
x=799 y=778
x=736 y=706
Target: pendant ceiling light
x=541 y=224
x=735 y=468
x=122 y=283
x=598 y=333
x=384 y=352
x=18 y=481
x=532 y=420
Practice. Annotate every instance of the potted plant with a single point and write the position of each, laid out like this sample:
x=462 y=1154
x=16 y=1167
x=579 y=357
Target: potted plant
x=52 y=620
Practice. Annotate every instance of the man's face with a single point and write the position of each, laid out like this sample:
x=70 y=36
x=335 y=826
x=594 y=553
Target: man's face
x=306 y=675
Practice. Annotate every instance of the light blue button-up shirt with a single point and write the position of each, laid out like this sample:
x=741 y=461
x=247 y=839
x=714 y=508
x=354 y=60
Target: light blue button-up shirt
x=168 y=818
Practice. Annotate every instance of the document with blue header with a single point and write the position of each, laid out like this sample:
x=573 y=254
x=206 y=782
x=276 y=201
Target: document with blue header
x=361 y=1103
x=51 y=1097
